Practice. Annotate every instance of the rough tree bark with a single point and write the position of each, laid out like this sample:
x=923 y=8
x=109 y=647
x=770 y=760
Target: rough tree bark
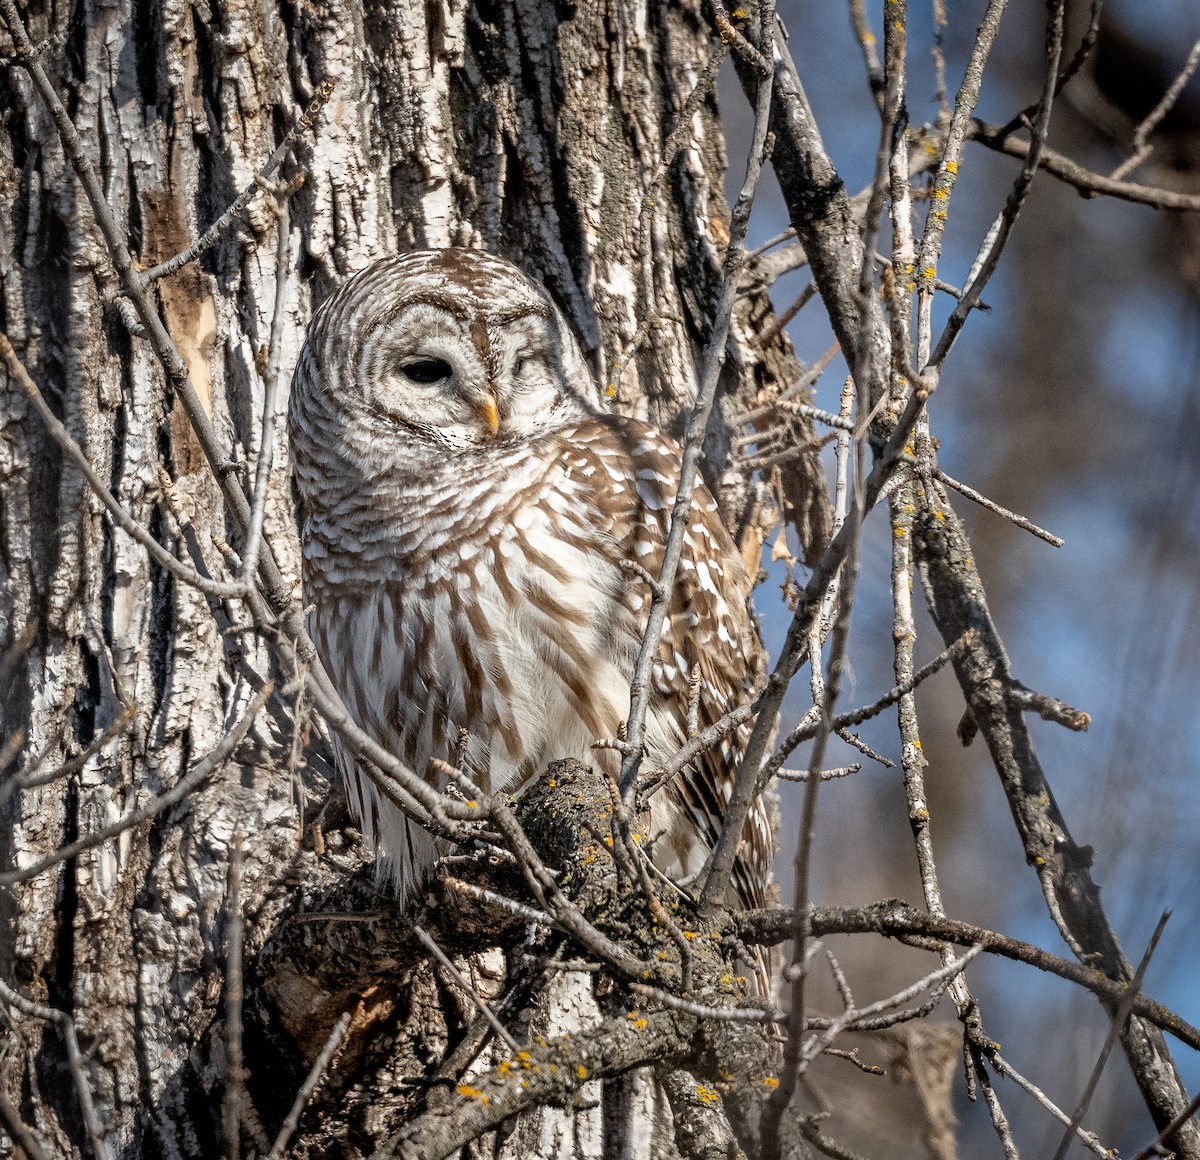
x=533 y=129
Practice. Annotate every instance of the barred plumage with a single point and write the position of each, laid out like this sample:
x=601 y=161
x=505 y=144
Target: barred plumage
x=476 y=532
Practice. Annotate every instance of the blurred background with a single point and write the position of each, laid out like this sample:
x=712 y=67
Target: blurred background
x=1074 y=401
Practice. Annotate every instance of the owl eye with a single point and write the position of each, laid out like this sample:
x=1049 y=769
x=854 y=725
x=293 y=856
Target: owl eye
x=526 y=365
x=426 y=370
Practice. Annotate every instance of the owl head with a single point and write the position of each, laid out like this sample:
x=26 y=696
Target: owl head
x=439 y=352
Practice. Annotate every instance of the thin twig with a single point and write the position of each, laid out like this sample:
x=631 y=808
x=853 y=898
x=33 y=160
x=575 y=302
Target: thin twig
x=714 y=359
x=1088 y=42
x=121 y=517
x=810 y=1129
x=771 y=243
x=1120 y=1016
x=31 y=778
x=1088 y=1139
x=825 y=774
x=1049 y=708
x=266 y=443
x=939 y=58
x=276 y=592
x=807 y=728
x=20 y=1132
x=912 y=756
x=947 y=173
x=873 y=1017
x=992 y=506
x=261 y=181
x=999 y=1119
x=993 y=246
x=511 y=905
x=747 y=51
x=1141 y=148
x=776 y=329
x=309 y=1086
x=869 y=1017
x=1154 y=1148
x=866 y=43
x=707 y=1010
x=705 y=740
x=1002 y=140
x=235 y=1077
x=83 y=1091
x=467 y=989
x=918 y=928
x=785 y=400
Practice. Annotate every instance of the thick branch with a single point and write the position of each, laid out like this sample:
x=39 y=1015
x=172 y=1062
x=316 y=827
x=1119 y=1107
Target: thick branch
x=1003 y=140
x=552 y=1074
x=899 y=920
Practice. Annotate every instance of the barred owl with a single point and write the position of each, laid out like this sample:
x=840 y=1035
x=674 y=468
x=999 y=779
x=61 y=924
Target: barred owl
x=477 y=533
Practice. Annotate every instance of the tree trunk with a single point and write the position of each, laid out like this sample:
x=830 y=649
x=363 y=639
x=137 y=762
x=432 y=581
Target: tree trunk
x=535 y=130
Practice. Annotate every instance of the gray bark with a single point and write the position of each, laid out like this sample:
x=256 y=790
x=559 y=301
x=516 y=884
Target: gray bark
x=533 y=130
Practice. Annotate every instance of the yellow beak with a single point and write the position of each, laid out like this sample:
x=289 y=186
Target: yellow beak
x=489 y=413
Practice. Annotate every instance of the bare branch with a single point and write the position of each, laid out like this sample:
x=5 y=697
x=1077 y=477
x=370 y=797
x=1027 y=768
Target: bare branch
x=867 y=46
x=277 y=593
x=261 y=181
x=917 y=928
x=235 y=1076
x=309 y=1086
x=991 y=505
x=989 y=254
x=499 y=901
x=807 y=728
x=33 y=776
x=20 y=1133
x=999 y=1119
x=467 y=989
x=997 y=138
x=1088 y=1139
x=1110 y=1040
x=1164 y=1137
x=947 y=171
x=552 y=1073
x=825 y=774
x=747 y=51
x=810 y=1129
x=120 y=516
x=1049 y=708
x=1141 y=148
x=266 y=444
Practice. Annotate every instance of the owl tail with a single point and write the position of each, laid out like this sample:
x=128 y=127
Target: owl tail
x=405 y=853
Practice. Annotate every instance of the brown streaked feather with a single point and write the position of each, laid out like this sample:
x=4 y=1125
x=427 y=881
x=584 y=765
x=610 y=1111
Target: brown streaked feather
x=483 y=582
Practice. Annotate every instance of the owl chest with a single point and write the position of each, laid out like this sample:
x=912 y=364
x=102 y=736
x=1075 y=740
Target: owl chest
x=525 y=638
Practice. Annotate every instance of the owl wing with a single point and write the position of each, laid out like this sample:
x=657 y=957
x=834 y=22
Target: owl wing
x=709 y=627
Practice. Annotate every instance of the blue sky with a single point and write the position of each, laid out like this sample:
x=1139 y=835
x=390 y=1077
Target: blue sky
x=1108 y=622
